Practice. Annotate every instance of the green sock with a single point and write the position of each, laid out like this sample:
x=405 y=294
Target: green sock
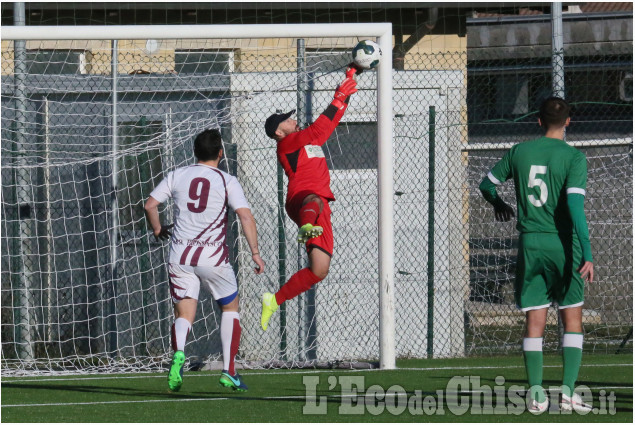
x=571 y=360
x=532 y=349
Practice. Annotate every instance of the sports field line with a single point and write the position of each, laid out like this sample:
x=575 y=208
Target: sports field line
x=288 y=397
x=248 y=372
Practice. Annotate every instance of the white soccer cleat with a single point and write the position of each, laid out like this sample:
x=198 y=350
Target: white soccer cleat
x=536 y=408
x=575 y=402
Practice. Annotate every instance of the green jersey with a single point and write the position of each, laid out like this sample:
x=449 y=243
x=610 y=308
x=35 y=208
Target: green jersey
x=544 y=170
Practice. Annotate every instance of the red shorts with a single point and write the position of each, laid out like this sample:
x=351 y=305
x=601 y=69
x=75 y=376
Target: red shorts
x=324 y=242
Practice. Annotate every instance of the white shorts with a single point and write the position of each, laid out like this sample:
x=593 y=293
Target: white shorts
x=186 y=281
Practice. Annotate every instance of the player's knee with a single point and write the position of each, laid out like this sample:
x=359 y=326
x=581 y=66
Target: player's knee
x=313 y=198
x=534 y=329
x=320 y=272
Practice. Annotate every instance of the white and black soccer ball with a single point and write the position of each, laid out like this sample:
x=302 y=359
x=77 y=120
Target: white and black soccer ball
x=367 y=54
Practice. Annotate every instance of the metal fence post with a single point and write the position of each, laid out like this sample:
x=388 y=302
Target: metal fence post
x=557 y=50
x=430 y=272
x=23 y=198
x=557 y=72
x=114 y=206
x=306 y=301
x=282 y=257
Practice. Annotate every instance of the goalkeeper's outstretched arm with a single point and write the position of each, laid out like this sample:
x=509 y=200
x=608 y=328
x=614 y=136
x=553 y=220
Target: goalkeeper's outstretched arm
x=320 y=131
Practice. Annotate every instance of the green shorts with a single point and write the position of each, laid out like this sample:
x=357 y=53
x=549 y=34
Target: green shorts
x=546 y=271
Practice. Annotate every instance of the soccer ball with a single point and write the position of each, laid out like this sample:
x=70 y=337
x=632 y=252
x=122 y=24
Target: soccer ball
x=366 y=54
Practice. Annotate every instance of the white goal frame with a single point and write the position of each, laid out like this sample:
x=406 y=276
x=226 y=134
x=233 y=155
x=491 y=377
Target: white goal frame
x=383 y=33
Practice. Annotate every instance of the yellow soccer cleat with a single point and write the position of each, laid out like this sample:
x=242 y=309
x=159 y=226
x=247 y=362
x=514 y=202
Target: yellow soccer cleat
x=309 y=231
x=269 y=306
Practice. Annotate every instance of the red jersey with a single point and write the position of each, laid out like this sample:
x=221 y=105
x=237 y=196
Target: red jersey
x=302 y=157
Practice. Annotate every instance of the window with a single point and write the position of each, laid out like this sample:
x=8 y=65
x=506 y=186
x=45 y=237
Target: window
x=56 y=61
x=203 y=62
x=321 y=61
x=352 y=146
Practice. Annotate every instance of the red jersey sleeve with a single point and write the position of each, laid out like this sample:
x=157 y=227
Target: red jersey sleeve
x=324 y=126
x=318 y=132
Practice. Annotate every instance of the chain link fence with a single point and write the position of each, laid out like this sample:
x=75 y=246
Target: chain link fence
x=506 y=85
x=84 y=286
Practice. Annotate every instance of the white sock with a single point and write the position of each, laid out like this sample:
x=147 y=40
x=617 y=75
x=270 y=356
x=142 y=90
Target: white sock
x=180 y=329
x=230 y=337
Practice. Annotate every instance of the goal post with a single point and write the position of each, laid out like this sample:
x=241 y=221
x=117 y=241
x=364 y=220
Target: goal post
x=384 y=106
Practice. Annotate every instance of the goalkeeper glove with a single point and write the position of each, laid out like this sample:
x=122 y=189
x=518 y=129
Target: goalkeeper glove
x=353 y=69
x=347 y=88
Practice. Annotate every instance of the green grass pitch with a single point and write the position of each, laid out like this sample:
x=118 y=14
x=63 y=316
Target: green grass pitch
x=280 y=395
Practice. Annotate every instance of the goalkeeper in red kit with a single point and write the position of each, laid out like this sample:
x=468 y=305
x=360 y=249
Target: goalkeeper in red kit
x=309 y=193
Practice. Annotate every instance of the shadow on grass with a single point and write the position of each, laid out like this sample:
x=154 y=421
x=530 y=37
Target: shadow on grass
x=124 y=391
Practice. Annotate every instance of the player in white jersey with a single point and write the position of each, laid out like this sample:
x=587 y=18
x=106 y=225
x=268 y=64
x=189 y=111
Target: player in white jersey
x=202 y=195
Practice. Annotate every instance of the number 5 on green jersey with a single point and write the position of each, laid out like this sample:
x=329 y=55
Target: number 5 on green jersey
x=539 y=183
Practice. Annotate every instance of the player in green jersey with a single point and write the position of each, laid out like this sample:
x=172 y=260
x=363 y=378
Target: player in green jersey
x=554 y=252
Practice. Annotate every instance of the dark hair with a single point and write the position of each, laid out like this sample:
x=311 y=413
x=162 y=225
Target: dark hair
x=207 y=145
x=554 y=112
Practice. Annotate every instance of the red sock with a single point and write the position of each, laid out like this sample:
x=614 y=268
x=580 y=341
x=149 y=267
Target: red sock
x=299 y=282
x=309 y=213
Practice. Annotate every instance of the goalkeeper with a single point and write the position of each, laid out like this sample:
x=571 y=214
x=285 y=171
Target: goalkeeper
x=554 y=252
x=309 y=193
x=198 y=249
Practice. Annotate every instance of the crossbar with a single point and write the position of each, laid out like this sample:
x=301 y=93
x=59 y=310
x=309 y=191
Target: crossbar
x=166 y=32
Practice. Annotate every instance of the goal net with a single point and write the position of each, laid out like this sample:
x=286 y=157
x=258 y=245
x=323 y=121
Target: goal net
x=89 y=127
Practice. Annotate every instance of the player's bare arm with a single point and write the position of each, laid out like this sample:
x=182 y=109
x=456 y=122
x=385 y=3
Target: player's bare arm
x=248 y=224
x=152 y=213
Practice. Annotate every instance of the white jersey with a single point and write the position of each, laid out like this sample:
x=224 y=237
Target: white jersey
x=201 y=197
